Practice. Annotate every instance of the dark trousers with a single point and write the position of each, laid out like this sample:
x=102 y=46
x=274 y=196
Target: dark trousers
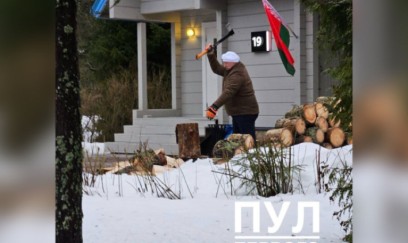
x=244 y=124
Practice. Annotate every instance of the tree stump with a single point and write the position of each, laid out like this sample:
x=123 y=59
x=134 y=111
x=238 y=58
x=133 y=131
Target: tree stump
x=188 y=140
x=335 y=136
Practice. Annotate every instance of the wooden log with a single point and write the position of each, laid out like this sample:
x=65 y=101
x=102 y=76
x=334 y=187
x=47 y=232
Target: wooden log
x=321 y=123
x=296 y=111
x=321 y=110
x=300 y=126
x=333 y=122
x=316 y=134
x=303 y=139
x=282 y=136
x=245 y=140
x=335 y=136
x=225 y=149
x=279 y=123
x=308 y=139
x=309 y=113
x=188 y=140
x=349 y=139
x=324 y=99
x=327 y=145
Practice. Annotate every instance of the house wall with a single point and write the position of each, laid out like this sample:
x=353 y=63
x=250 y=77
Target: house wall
x=276 y=90
x=191 y=69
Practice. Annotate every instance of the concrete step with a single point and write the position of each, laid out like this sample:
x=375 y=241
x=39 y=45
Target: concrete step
x=156 y=130
x=136 y=138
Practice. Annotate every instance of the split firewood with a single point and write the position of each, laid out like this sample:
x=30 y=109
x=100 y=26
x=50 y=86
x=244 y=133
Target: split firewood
x=282 y=136
x=316 y=134
x=321 y=123
x=335 y=136
x=309 y=113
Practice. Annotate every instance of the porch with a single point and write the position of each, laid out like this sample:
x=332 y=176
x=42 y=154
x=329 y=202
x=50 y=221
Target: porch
x=157 y=132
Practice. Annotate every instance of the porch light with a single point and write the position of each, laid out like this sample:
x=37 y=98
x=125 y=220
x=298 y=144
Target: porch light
x=190 y=32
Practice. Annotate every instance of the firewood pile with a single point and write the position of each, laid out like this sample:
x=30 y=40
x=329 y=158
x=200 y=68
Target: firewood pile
x=308 y=123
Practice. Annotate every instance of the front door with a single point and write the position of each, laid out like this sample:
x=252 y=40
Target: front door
x=210 y=85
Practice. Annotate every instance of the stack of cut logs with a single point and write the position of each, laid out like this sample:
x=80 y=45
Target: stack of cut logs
x=308 y=123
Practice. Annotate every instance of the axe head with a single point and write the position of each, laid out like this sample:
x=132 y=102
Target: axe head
x=231 y=32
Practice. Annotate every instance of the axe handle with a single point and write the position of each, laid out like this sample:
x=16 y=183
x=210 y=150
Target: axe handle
x=199 y=55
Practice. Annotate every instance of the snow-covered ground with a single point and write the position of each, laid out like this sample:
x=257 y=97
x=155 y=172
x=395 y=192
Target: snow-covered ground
x=115 y=211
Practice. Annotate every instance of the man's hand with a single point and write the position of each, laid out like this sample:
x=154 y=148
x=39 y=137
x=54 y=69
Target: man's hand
x=211 y=112
x=209 y=48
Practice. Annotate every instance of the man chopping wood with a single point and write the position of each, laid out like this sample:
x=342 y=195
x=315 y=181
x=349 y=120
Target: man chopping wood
x=237 y=95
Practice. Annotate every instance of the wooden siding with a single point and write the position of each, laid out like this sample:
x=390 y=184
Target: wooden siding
x=191 y=69
x=273 y=86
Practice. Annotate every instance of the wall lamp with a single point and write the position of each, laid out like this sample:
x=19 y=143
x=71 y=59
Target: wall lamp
x=190 y=32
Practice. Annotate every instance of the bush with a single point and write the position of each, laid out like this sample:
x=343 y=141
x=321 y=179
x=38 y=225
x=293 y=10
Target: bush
x=267 y=170
x=113 y=102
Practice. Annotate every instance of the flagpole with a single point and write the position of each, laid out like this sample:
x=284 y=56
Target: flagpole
x=292 y=31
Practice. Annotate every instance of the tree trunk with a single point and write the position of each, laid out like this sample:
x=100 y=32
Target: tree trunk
x=282 y=136
x=68 y=167
x=309 y=114
x=316 y=134
x=188 y=140
x=300 y=126
x=335 y=136
x=321 y=123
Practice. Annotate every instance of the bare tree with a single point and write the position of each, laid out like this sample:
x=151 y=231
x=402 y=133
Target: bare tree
x=68 y=127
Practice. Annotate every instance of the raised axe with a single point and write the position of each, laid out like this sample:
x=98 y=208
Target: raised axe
x=231 y=32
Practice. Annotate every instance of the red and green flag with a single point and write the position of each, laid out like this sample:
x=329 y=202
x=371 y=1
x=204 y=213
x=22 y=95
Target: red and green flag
x=281 y=35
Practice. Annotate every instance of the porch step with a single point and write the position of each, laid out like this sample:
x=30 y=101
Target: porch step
x=157 y=132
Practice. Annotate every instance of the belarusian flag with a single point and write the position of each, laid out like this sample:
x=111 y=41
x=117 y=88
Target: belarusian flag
x=281 y=35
